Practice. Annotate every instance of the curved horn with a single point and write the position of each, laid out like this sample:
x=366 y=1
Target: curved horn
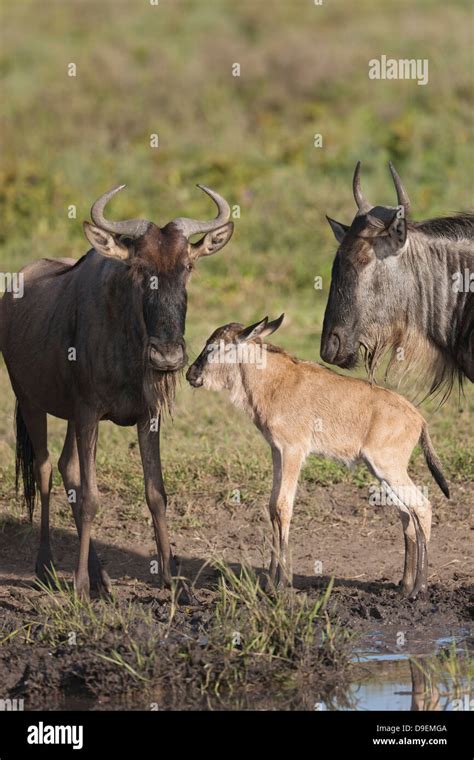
x=402 y=196
x=192 y=226
x=131 y=227
x=362 y=203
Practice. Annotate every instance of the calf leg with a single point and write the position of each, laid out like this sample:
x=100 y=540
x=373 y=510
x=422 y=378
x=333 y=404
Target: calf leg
x=417 y=534
x=411 y=552
x=421 y=581
x=276 y=457
x=286 y=470
x=409 y=568
x=87 y=428
x=415 y=512
x=69 y=468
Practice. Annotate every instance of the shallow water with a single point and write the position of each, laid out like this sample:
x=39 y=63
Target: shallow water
x=391 y=681
x=384 y=677
x=390 y=686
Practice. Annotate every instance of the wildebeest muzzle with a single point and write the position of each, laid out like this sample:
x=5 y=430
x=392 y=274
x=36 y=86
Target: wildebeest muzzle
x=166 y=357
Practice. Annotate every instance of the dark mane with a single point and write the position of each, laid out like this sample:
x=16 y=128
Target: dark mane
x=69 y=267
x=452 y=227
x=279 y=350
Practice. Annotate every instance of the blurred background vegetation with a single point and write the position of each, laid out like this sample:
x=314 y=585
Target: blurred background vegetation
x=167 y=69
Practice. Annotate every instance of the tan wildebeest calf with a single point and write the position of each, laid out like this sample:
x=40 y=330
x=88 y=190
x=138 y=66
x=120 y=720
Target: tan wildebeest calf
x=300 y=408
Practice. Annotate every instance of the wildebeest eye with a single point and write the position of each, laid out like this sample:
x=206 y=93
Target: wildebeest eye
x=189 y=267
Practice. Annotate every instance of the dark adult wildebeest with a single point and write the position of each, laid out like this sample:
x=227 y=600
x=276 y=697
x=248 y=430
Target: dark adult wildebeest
x=403 y=287
x=102 y=338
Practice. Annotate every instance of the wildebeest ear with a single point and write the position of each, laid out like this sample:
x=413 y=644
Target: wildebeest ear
x=213 y=241
x=338 y=228
x=391 y=241
x=105 y=243
x=397 y=229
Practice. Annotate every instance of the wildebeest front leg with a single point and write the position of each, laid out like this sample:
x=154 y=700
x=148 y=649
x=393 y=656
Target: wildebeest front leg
x=69 y=468
x=155 y=494
x=87 y=428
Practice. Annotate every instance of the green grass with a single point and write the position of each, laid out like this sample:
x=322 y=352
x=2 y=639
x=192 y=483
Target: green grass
x=251 y=639
x=451 y=672
x=167 y=70
x=281 y=633
x=59 y=617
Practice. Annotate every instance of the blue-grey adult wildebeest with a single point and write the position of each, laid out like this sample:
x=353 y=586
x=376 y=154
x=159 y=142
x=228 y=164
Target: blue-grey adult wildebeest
x=102 y=338
x=402 y=287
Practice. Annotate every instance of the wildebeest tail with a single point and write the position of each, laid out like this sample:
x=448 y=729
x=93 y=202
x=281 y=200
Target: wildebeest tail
x=432 y=460
x=25 y=462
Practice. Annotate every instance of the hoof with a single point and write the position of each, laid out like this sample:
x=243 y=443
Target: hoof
x=44 y=569
x=185 y=597
x=82 y=587
x=417 y=592
x=404 y=588
x=411 y=591
x=282 y=579
x=100 y=581
x=267 y=583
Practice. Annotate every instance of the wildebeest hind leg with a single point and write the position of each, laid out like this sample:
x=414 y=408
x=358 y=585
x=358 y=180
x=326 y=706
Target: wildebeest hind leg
x=69 y=468
x=36 y=424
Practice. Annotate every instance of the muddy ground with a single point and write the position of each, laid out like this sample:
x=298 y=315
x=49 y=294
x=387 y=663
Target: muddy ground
x=334 y=527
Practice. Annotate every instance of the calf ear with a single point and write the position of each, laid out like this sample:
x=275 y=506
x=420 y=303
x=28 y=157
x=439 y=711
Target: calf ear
x=253 y=331
x=338 y=229
x=261 y=329
x=105 y=243
x=213 y=241
x=272 y=327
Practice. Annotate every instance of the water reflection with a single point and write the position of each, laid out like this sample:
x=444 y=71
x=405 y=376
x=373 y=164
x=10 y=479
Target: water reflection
x=395 y=682
x=424 y=695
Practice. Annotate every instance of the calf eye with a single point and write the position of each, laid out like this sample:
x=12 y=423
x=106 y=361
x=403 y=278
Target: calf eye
x=189 y=267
